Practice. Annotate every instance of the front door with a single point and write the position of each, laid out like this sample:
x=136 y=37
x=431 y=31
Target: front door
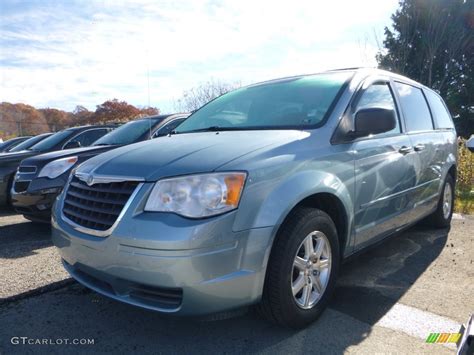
x=384 y=172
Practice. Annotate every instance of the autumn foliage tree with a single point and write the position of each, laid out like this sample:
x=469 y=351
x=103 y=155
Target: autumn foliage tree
x=80 y=115
x=21 y=119
x=115 y=110
x=56 y=119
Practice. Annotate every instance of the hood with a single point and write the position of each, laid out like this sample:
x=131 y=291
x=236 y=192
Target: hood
x=16 y=156
x=45 y=158
x=185 y=153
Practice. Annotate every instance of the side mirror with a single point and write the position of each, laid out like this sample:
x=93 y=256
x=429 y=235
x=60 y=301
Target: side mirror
x=161 y=133
x=470 y=144
x=373 y=120
x=72 y=144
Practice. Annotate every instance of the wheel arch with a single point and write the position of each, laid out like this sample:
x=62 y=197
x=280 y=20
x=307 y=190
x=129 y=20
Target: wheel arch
x=334 y=207
x=331 y=204
x=453 y=171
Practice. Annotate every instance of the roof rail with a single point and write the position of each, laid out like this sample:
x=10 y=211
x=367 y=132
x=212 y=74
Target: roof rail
x=352 y=68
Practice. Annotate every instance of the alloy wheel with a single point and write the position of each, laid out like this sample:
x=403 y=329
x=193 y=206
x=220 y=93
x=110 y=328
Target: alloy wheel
x=311 y=270
x=447 y=200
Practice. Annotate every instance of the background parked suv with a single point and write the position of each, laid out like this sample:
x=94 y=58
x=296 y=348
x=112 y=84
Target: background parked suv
x=41 y=178
x=27 y=144
x=11 y=143
x=66 y=139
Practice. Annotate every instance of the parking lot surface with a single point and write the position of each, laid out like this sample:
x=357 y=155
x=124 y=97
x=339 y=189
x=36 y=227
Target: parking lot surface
x=387 y=301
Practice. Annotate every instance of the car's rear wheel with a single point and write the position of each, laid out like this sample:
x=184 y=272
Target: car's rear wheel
x=441 y=218
x=302 y=269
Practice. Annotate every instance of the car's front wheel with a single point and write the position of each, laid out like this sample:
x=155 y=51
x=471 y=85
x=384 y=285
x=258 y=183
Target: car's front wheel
x=302 y=269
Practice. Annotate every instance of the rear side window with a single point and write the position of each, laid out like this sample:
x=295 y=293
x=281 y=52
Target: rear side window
x=415 y=109
x=440 y=113
x=379 y=95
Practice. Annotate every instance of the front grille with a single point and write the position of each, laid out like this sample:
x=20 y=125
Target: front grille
x=98 y=206
x=21 y=186
x=27 y=169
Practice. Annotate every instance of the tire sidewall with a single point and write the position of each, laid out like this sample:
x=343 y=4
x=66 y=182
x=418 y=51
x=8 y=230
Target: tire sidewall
x=299 y=317
x=446 y=221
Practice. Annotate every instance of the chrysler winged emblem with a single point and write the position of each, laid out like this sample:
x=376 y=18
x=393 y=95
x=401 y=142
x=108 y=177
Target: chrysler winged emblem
x=87 y=178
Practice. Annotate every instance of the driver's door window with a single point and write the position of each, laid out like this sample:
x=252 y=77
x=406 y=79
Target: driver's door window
x=379 y=95
x=88 y=137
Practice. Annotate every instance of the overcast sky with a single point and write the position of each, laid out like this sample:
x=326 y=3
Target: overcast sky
x=66 y=53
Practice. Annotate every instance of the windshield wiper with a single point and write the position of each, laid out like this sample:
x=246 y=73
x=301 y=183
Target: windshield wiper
x=209 y=129
x=102 y=144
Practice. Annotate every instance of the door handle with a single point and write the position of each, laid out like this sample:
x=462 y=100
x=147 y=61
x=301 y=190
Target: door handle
x=419 y=147
x=405 y=150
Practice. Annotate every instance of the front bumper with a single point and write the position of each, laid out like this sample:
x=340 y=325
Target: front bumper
x=6 y=176
x=34 y=196
x=4 y=186
x=168 y=263
x=35 y=205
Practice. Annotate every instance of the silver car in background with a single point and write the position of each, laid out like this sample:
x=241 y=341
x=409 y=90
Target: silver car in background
x=259 y=195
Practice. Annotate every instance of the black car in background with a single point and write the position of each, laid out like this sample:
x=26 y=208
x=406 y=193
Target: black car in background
x=66 y=139
x=9 y=144
x=41 y=178
x=27 y=144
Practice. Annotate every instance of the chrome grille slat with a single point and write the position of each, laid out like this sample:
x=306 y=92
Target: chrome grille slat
x=98 y=206
x=99 y=199
x=87 y=218
x=101 y=188
x=93 y=208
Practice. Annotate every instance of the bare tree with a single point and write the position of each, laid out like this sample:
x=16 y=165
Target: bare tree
x=200 y=95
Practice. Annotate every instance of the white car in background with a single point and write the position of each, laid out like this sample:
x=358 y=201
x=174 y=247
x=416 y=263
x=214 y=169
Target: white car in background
x=470 y=143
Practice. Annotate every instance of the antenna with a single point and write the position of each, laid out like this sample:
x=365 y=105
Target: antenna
x=148 y=81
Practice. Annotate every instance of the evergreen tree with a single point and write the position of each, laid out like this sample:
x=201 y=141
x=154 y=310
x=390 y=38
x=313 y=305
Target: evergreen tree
x=432 y=41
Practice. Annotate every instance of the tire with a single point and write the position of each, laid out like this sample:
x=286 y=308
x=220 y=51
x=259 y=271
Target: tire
x=35 y=219
x=278 y=302
x=439 y=218
x=9 y=193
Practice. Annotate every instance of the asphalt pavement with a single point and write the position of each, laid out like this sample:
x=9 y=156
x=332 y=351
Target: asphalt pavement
x=388 y=300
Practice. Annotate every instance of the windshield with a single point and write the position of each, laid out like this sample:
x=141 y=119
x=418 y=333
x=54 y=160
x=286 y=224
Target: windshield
x=128 y=133
x=27 y=144
x=51 y=141
x=294 y=103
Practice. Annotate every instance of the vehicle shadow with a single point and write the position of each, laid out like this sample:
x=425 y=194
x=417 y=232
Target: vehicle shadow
x=5 y=212
x=373 y=282
x=369 y=286
x=18 y=240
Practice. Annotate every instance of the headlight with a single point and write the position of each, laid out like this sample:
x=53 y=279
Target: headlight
x=197 y=196
x=57 y=167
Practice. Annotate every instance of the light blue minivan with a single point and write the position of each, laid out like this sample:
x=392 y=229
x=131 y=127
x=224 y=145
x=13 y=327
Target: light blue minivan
x=259 y=195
